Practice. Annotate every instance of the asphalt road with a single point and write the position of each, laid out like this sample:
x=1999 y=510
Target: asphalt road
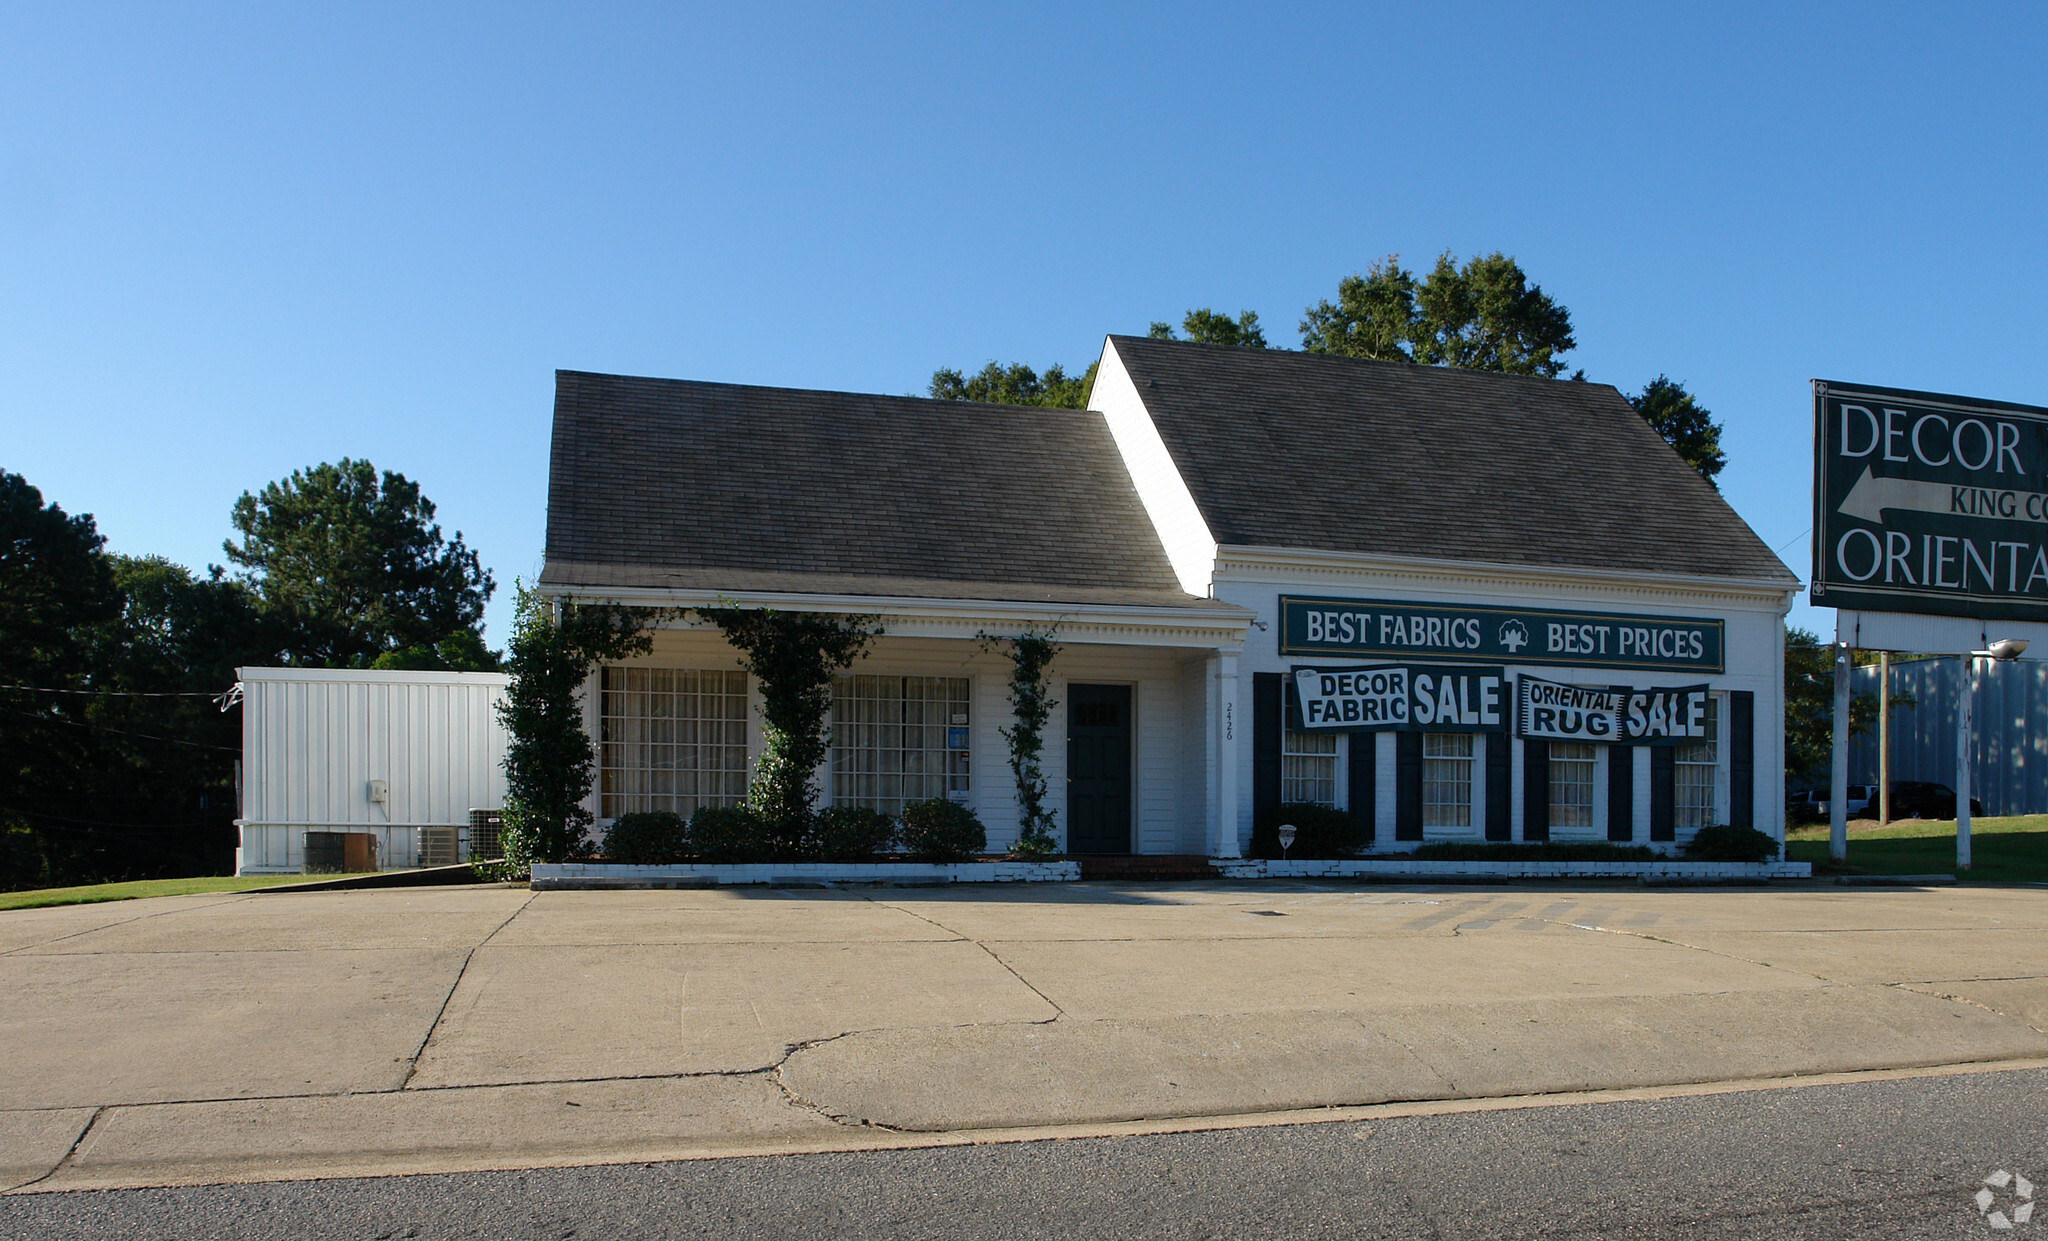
x=1871 y=1159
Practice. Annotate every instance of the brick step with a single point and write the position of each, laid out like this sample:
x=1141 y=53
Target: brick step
x=1144 y=866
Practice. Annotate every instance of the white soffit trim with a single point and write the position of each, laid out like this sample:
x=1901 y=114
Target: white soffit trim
x=1238 y=560
x=1178 y=520
x=1218 y=625
x=1929 y=635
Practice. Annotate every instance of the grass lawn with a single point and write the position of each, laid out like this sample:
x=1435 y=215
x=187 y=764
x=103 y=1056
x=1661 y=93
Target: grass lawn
x=2004 y=850
x=142 y=887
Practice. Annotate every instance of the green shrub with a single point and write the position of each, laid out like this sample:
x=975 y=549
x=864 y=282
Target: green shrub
x=730 y=834
x=942 y=831
x=851 y=834
x=1532 y=851
x=1722 y=843
x=648 y=838
x=1034 y=847
x=1320 y=832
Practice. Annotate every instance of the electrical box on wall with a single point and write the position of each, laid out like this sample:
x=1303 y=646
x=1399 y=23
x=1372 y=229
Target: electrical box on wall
x=380 y=791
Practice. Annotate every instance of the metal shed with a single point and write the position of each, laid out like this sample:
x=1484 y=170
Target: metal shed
x=2010 y=713
x=399 y=758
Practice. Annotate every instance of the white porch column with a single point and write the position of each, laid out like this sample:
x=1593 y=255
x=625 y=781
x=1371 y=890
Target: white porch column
x=1224 y=727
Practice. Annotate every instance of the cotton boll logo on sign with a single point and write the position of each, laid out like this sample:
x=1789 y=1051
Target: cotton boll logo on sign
x=1514 y=635
x=2006 y=1201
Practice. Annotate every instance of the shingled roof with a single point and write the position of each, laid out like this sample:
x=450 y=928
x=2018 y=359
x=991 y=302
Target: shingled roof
x=1302 y=450
x=663 y=483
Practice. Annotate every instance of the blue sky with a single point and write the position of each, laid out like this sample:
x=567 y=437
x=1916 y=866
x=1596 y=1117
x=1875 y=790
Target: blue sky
x=235 y=240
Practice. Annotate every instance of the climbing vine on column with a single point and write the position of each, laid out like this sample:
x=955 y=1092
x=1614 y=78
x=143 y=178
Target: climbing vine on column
x=556 y=641
x=794 y=656
x=1031 y=654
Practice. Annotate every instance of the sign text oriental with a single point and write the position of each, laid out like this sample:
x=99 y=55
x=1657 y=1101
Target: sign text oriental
x=1382 y=628
x=1929 y=503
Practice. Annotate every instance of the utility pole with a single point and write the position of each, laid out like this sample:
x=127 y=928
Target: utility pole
x=1838 y=781
x=1884 y=738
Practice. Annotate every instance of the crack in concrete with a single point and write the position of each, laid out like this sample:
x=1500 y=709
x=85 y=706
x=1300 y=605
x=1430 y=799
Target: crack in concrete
x=108 y=926
x=91 y=1122
x=412 y=1062
x=1964 y=999
x=958 y=937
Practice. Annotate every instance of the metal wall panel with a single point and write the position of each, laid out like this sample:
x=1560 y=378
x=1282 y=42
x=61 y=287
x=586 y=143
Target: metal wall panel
x=314 y=739
x=2010 y=725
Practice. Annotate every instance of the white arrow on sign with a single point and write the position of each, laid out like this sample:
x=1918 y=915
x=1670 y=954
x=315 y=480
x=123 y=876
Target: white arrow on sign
x=1871 y=495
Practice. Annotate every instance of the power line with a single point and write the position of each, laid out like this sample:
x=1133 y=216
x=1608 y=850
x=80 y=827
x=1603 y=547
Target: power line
x=123 y=732
x=115 y=693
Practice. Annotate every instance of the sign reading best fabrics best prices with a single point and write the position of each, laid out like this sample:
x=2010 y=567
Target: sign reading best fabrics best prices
x=1382 y=628
x=1929 y=503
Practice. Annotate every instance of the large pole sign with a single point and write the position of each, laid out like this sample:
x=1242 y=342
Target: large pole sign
x=1929 y=503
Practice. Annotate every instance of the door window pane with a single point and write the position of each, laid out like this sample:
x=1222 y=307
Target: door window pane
x=1571 y=784
x=671 y=739
x=1447 y=780
x=1694 y=768
x=1308 y=767
x=897 y=740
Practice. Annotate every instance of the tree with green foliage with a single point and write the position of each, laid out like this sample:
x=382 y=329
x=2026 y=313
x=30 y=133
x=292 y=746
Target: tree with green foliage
x=1483 y=316
x=56 y=589
x=1684 y=423
x=1206 y=327
x=1810 y=705
x=352 y=566
x=1015 y=384
x=556 y=641
x=794 y=656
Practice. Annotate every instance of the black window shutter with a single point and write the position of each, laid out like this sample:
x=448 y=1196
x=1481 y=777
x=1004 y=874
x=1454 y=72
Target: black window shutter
x=1535 y=790
x=1499 y=776
x=1742 y=758
x=1363 y=756
x=1621 y=793
x=1266 y=706
x=1407 y=786
x=1663 y=794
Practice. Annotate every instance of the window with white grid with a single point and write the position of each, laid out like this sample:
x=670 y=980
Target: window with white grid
x=897 y=740
x=1447 y=780
x=671 y=739
x=1571 y=784
x=1308 y=767
x=1694 y=768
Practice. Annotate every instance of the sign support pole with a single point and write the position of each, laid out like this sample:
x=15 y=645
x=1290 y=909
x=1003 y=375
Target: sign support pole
x=1838 y=779
x=1884 y=738
x=1965 y=705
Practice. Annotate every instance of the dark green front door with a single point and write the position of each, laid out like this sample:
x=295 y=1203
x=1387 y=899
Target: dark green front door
x=1098 y=769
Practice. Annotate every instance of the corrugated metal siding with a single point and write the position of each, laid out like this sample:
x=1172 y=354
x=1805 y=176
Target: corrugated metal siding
x=2009 y=720
x=313 y=741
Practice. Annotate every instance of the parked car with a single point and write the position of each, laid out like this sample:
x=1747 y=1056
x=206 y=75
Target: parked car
x=1924 y=799
x=1806 y=806
x=1811 y=805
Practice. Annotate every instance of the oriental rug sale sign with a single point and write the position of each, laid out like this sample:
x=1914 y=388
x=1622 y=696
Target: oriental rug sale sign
x=1548 y=711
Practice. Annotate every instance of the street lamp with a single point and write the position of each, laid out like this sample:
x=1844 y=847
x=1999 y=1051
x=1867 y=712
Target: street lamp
x=2005 y=650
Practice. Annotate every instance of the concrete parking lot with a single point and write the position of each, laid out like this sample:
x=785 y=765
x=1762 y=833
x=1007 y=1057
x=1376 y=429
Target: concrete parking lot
x=250 y=1037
